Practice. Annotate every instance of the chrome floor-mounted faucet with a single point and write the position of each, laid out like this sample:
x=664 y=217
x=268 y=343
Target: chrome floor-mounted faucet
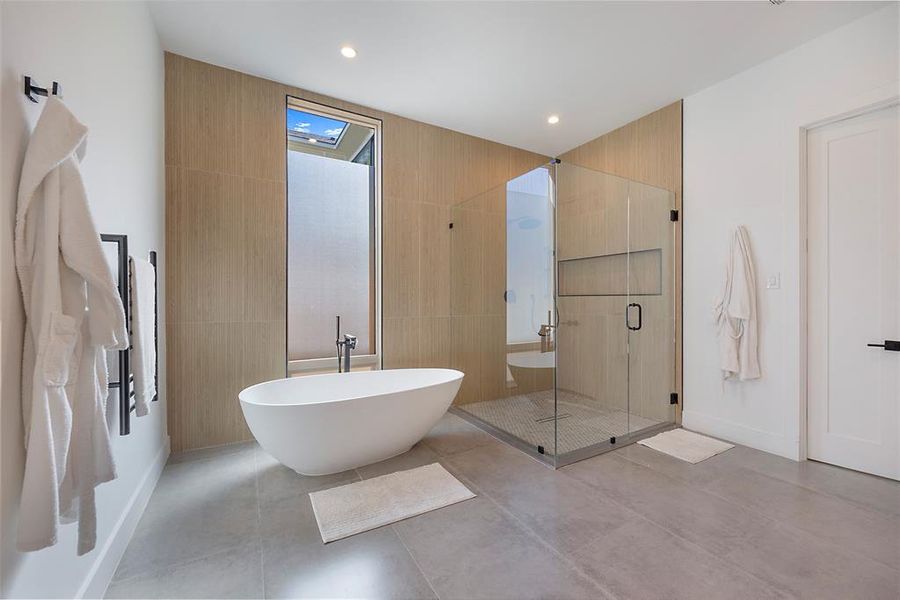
x=546 y=333
x=344 y=346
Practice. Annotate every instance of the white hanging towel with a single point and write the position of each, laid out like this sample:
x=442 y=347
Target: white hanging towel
x=143 y=337
x=73 y=312
x=735 y=313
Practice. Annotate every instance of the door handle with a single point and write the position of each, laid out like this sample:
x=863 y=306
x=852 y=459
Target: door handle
x=889 y=345
x=628 y=316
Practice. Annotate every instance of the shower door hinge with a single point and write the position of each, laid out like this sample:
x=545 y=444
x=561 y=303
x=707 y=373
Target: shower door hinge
x=673 y=215
x=673 y=398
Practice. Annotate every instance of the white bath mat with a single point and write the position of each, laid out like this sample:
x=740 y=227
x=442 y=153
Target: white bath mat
x=686 y=445
x=350 y=509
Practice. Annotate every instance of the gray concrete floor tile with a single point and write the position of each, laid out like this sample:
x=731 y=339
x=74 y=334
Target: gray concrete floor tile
x=829 y=518
x=802 y=565
x=474 y=550
x=693 y=514
x=372 y=565
x=633 y=523
x=213 y=452
x=198 y=508
x=562 y=511
x=420 y=455
x=234 y=573
x=277 y=481
x=453 y=434
x=643 y=561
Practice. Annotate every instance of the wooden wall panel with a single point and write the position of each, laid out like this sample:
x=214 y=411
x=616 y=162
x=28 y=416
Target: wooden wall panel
x=478 y=269
x=400 y=169
x=225 y=239
x=207 y=377
x=434 y=259
x=262 y=120
x=205 y=235
x=478 y=282
x=208 y=102
x=402 y=290
x=647 y=150
x=263 y=242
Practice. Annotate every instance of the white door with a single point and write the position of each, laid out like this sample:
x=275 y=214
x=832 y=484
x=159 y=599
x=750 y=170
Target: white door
x=854 y=293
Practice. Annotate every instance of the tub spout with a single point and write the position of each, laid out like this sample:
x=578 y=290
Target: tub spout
x=348 y=343
x=546 y=333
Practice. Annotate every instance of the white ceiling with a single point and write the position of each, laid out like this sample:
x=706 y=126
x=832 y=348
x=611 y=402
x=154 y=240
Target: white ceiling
x=498 y=69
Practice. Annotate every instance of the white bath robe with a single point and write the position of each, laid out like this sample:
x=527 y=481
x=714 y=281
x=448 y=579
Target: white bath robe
x=736 y=315
x=73 y=313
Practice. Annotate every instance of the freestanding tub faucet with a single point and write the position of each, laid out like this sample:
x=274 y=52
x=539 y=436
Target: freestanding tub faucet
x=344 y=346
x=546 y=333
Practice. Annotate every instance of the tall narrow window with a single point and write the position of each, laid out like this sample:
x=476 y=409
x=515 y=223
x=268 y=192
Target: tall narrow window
x=333 y=235
x=529 y=255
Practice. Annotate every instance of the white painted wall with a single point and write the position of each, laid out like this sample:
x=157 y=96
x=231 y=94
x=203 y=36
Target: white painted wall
x=108 y=59
x=742 y=148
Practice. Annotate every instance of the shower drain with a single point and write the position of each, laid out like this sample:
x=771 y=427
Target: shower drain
x=552 y=418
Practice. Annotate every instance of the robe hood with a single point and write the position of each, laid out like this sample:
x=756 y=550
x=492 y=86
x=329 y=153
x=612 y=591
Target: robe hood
x=57 y=136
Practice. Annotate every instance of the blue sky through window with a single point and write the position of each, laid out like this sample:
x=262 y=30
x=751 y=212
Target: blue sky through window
x=315 y=126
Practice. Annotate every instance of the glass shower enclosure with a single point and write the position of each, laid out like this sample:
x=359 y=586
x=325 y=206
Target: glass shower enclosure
x=563 y=311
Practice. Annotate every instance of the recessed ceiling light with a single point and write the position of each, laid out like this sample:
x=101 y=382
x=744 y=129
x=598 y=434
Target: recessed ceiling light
x=348 y=52
x=553 y=119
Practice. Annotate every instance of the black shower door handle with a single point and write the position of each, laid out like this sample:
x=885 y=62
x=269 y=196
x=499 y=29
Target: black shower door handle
x=890 y=345
x=628 y=316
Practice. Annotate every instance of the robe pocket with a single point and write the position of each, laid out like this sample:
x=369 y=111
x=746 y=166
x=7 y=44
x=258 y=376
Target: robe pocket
x=60 y=349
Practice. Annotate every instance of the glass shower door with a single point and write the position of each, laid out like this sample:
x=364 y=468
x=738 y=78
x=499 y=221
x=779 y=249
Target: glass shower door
x=650 y=319
x=502 y=310
x=562 y=311
x=615 y=272
x=592 y=272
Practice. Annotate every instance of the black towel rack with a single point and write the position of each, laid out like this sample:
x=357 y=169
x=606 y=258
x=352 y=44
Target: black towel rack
x=126 y=378
x=32 y=89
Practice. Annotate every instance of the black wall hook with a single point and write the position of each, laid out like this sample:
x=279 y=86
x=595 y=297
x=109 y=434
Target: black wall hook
x=31 y=89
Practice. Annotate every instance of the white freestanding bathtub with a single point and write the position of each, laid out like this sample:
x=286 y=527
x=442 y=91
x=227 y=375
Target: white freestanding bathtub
x=324 y=424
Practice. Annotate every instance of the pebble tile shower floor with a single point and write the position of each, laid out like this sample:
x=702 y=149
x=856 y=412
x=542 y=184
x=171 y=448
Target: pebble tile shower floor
x=233 y=523
x=529 y=417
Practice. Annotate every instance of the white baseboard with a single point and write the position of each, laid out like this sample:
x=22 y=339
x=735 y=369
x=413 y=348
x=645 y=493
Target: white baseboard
x=741 y=434
x=104 y=568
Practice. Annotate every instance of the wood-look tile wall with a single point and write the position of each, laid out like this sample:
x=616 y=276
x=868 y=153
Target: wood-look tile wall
x=647 y=150
x=225 y=238
x=478 y=276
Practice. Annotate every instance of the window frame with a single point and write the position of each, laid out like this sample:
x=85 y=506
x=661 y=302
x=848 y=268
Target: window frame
x=299 y=138
x=376 y=360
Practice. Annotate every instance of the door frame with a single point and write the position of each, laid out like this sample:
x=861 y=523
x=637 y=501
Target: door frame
x=863 y=109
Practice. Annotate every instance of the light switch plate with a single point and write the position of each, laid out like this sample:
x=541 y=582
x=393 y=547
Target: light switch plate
x=773 y=282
